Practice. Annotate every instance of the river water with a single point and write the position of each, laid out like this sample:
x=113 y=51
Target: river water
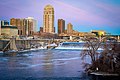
x=43 y=64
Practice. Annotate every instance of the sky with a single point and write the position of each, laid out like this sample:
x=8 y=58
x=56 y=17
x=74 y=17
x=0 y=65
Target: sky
x=85 y=15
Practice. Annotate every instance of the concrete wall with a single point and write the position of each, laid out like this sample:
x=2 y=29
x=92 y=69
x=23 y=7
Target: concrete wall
x=9 y=31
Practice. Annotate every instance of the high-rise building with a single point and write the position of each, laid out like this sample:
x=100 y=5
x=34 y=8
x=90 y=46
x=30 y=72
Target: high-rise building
x=25 y=26
x=31 y=19
x=69 y=28
x=61 y=26
x=48 y=19
x=18 y=23
x=13 y=21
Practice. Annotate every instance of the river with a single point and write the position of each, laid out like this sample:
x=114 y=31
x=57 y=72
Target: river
x=43 y=64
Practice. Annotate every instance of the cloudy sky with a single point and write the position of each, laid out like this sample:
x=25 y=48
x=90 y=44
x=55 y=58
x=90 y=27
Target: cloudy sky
x=85 y=15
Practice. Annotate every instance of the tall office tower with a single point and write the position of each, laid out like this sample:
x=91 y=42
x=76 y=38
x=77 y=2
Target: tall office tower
x=69 y=28
x=31 y=19
x=48 y=19
x=32 y=25
x=17 y=22
x=13 y=21
x=25 y=26
x=61 y=26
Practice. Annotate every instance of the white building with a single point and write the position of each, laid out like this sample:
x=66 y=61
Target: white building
x=31 y=19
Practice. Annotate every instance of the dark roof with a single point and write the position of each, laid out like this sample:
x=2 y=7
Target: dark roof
x=9 y=26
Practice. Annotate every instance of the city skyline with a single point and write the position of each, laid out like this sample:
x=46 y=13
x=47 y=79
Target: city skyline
x=92 y=15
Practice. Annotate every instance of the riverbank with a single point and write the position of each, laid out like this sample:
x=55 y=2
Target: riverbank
x=103 y=76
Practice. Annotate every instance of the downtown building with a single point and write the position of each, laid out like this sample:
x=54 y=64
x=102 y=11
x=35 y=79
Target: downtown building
x=48 y=20
x=31 y=19
x=25 y=26
x=61 y=26
x=8 y=31
x=69 y=28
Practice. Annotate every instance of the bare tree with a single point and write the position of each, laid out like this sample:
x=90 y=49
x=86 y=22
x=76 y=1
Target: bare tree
x=108 y=60
x=91 y=48
x=111 y=54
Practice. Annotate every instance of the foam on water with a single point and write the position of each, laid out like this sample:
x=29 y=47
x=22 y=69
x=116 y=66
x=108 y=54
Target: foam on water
x=66 y=59
x=52 y=62
x=3 y=59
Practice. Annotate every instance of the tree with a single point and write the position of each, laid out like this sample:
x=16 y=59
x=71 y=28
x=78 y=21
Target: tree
x=110 y=55
x=108 y=60
x=115 y=57
x=91 y=48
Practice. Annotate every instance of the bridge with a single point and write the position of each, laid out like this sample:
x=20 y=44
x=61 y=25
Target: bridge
x=25 y=43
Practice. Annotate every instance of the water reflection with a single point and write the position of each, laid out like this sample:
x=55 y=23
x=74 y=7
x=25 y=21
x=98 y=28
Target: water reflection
x=48 y=63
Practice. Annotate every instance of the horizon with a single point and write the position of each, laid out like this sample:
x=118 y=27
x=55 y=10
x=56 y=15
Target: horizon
x=92 y=15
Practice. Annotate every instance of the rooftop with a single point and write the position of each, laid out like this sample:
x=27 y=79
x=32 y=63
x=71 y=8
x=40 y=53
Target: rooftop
x=9 y=26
